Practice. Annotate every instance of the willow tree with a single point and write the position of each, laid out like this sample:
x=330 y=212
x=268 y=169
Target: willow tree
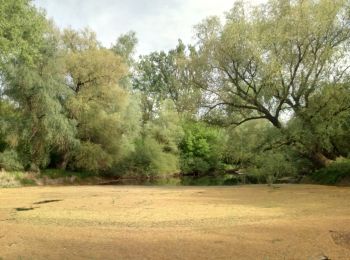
x=267 y=62
x=160 y=75
x=98 y=103
x=125 y=47
x=32 y=83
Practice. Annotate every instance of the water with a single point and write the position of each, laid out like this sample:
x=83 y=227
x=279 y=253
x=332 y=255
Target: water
x=226 y=180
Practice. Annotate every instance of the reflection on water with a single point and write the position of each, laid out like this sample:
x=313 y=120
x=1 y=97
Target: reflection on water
x=187 y=181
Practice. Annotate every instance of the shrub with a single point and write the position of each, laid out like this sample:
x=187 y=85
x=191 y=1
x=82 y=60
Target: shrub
x=201 y=149
x=149 y=159
x=334 y=173
x=9 y=161
x=273 y=165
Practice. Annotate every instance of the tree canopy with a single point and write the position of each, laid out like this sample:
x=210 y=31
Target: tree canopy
x=266 y=91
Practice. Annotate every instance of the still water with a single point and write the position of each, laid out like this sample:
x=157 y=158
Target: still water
x=187 y=181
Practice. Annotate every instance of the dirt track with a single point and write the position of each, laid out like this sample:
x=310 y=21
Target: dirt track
x=250 y=222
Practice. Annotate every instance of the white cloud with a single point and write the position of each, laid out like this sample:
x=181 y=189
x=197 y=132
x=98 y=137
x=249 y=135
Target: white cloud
x=158 y=23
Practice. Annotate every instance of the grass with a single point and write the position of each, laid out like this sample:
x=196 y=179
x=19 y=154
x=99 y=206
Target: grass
x=11 y=179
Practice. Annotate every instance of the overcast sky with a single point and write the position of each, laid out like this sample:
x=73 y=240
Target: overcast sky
x=157 y=23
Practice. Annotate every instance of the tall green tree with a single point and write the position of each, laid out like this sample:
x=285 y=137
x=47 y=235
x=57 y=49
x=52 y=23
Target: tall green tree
x=32 y=82
x=160 y=75
x=22 y=29
x=269 y=61
x=125 y=47
x=98 y=102
x=156 y=150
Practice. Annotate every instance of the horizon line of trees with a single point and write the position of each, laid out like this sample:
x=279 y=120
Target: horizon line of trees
x=266 y=91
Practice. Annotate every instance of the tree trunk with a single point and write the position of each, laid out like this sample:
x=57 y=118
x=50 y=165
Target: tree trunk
x=320 y=160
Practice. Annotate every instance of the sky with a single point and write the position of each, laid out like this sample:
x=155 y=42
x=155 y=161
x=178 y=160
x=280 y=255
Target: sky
x=158 y=23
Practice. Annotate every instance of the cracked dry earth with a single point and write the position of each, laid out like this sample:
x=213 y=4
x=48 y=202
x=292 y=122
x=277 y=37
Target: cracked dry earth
x=124 y=222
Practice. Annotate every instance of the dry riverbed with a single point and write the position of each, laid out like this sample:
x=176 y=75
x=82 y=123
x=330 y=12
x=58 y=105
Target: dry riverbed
x=124 y=222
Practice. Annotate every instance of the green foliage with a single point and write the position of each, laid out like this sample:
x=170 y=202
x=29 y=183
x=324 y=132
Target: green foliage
x=160 y=75
x=166 y=128
x=202 y=149
x=256 y=67
x=156 y=160
x=265 y=153
x=156 y=153
x=125 y=46
x=9 y=161
x=334 y=173
x=43 y=125
x=21 y=34
x=33 y=83
x=9 y=118
x=98 y=104
x=91 y=157
x=67 y=102
x=323 y=127
x=148 y=159
x=245 y=141
x=273 y=165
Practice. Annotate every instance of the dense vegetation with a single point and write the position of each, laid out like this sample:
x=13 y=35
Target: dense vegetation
x=267 y=92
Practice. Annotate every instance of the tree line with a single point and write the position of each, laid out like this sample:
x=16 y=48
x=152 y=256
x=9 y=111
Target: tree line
x=266 y=91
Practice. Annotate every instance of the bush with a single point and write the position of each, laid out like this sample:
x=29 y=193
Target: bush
x=201 y=149
x=149 y=159
x=273 y=165
x=92 y=158
x=195 y=165
x=156 y=152
x=334 y=173
x=9 y=161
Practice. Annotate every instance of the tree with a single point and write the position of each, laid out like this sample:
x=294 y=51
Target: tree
x=22 y=29
x=159 y=76
x=98 y=103
x=156 y=150
x=321 y=131
x=202 y=149
x=269 y=62
x=273 y=58
x=32 y=83
x=125 y=47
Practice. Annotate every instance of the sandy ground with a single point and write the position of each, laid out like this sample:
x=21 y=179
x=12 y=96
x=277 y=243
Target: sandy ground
x=123 y=222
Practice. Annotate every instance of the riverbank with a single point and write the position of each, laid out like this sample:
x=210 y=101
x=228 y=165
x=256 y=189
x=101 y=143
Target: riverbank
x=124 y=222
x=54 y=177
